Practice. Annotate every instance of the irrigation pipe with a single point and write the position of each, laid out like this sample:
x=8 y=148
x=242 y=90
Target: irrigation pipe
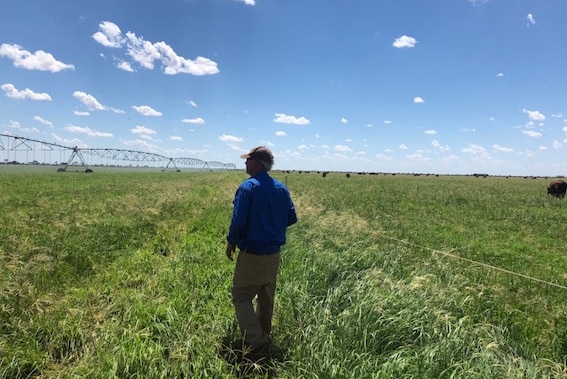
x=477 y=263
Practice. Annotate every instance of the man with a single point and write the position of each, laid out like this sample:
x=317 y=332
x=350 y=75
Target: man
x=263 y=210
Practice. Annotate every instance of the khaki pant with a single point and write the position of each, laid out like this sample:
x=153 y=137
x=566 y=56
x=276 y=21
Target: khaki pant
x=255 y=276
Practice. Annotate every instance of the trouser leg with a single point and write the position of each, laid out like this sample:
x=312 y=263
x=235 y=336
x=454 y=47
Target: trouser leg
x=255 y=276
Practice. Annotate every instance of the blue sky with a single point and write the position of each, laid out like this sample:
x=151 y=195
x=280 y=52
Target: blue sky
x=444 y=86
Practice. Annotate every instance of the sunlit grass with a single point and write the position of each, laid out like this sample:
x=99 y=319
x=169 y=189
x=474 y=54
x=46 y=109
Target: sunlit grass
x=124 y=275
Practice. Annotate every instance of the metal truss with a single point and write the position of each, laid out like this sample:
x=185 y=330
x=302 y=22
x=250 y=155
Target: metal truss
x=21 y=150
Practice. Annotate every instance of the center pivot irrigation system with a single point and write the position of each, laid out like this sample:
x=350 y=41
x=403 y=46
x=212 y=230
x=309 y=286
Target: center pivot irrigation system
x=20 y=150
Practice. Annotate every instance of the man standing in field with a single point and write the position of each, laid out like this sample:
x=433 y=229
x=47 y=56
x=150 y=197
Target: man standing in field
x=263 y=209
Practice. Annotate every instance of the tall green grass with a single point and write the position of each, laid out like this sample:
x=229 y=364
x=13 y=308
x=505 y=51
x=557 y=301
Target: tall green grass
x=121 y=274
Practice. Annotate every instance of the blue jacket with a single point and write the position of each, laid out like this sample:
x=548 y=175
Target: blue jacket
x=263 y=210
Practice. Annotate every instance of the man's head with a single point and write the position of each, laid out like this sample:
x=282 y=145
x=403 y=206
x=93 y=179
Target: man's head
x=258 y=159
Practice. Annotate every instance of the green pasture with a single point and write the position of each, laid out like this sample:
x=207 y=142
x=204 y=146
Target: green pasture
x=122 y=274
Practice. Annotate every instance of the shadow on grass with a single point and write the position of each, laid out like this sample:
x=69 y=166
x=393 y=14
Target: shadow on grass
x=249 y=363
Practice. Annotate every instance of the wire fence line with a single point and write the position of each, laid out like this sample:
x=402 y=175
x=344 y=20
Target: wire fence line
x=17 y=150
x=485 y=265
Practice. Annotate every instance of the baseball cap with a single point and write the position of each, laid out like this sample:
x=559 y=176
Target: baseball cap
x=261 y=153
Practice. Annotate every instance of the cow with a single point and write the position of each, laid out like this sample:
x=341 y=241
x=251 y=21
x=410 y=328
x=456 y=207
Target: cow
x=557 y=188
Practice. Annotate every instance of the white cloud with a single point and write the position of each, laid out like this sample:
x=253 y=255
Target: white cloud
x=532 y=133
x=147 y=110
x=502 y=149
x=384 y=157
x=248 y=2
x=142 y=130
x=27 y=93
x=192 y=103
x=437 y=145
x=125 y=66
x=79 y=113
x=109 y=35
x=530 y=19
x=477 y=151
x=418 y=100
x=285 y=119
x=88 y=131
x=198 y=121
x=141 y=144
x=404 y=41
x=557 y=144
x=175 y=138
x=500 y=74
x=89 y=101
x=343 y=149
x=40 y=60
x=281 y=133
x=229 y=138
x=43 y=121
x=417 y=158
x=344 y=120
x=388 y=122
x=430 y=132
x=146 y=53
x=403 y=147
x=534 y=115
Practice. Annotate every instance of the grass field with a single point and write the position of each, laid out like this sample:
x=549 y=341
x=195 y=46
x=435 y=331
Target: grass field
x=121 y=274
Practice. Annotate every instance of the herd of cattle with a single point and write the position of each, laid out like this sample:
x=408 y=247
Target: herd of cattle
x=557 y=188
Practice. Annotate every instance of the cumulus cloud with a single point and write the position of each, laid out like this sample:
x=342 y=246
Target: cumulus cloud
x=125 y=66
x=438 y=147
x=343 y=149
x=88 y=131
x=89 y=101
x=534 y=115
x=229 y=138
x=404 y=42
x=403 y=147
x=146 y=53
x=147 y=110
x=281 y=133
x=40 y=60
x=387 y=122
x=248 y=2
x=430 y=132
x=418 y=100
x=532 y=133
x=478 y=152
x=530 y=19
x=344 y=120
x=142 y=130
x=192 y=103
x=81 y=113
x=500 y=74
x=43 y=121
x=198 y=121
x=417 y=157
x=109 y=35
x=176 y=138
x=27 y=93
x=285 y=119
x=501 y=149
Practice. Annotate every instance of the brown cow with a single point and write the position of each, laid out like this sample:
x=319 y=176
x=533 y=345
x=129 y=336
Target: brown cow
x=557 y=188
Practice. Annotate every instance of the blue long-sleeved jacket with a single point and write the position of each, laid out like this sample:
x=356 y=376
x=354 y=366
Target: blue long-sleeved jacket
x=263 y=209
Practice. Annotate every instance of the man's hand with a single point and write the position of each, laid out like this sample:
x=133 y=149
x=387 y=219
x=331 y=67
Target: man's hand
x=230 y=248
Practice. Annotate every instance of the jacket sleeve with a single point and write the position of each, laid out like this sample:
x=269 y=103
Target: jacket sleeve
x=238 y=223
x=292 y=216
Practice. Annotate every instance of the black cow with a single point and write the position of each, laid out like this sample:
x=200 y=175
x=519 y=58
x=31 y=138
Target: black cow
x=557 y=188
